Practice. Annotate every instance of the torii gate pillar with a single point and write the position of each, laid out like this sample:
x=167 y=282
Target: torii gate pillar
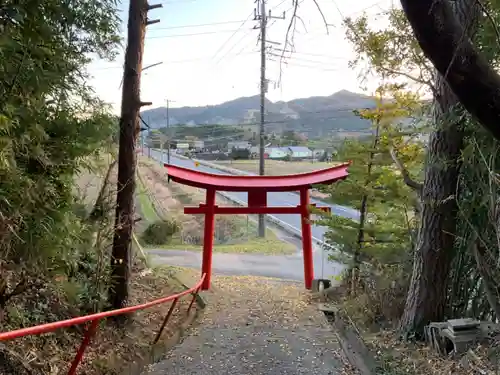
x=307 y=247
x=208 y=239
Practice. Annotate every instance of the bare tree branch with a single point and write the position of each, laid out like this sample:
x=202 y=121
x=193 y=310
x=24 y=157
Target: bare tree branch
x=409 y=76
x=98 y=210
x=322 y=16
x=404 y=172
x=287 y=37
x=290 y=32
x=490 y=19
x=490 y=283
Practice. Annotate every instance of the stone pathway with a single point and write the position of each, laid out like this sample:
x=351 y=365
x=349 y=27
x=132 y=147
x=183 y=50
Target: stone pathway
x=256 y=326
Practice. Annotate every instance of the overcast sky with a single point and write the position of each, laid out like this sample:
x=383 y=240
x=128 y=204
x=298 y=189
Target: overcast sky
x=210 y=54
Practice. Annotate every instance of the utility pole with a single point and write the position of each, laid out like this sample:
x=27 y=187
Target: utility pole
x=129 y=130
x=168 y=130
x=260 y=14
x=150 y=139
x=263 y=87
x=161 y=147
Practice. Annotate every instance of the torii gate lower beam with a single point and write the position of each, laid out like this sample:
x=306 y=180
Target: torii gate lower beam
x=257 y=188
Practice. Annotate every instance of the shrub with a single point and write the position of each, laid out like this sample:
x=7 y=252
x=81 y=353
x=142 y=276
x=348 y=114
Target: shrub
x=160 y=232
x=381 y=297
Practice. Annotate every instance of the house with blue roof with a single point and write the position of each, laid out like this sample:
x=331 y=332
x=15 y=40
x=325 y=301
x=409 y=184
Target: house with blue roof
x=300 y=152
x=276 y=152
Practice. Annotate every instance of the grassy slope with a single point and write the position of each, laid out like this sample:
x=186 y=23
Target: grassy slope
x=146 y=206
x=270 y=245
x=276 y=167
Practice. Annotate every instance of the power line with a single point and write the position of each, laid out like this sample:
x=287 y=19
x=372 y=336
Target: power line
x=241 y=39
x=240 y=52
x=177 y=61
x=234 y=45
x=232 y=36
x=343 y=17
x=317 y=67
x=311 y=54
x=192 y=34
x=196 y=25
x=300 y=59
x=166 y=2
x=280 y=4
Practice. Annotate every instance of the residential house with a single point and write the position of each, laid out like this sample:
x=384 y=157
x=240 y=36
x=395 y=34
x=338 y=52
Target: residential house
x=318 y=153
x=254 y=152
x=198 y=145
x=300 y=152
x=276 y=152
x=238 y=145
x=182 y=148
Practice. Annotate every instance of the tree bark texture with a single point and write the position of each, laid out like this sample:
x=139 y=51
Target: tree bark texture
x=443 y=40
x=426 y=299
x=129 y=125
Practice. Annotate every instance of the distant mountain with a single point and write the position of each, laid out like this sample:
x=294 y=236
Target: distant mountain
x=315 y=116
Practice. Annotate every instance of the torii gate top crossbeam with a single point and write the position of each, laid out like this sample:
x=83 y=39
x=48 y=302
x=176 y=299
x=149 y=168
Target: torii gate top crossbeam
x=247 y=183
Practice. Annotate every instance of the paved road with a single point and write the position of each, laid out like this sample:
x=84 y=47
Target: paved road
x=288 y=267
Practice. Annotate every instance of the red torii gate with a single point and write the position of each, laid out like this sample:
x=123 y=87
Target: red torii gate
x=257 y=188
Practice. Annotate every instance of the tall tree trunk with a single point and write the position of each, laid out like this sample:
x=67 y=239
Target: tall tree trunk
x=435 y=244
x=440 y=35
x=129 y=129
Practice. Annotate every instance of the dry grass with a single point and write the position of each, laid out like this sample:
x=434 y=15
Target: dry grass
x=279 y=168
x=113 y=350
x=275 y=167
x=265 y=246
x=397 y=357
x=88 y=183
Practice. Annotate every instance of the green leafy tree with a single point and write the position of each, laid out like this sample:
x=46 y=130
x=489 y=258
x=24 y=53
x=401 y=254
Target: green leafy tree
x=383 y=233
x=51 y=124
x=453 y=215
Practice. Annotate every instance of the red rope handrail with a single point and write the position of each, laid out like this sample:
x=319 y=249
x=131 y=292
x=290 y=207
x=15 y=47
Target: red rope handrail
x=96 y=318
